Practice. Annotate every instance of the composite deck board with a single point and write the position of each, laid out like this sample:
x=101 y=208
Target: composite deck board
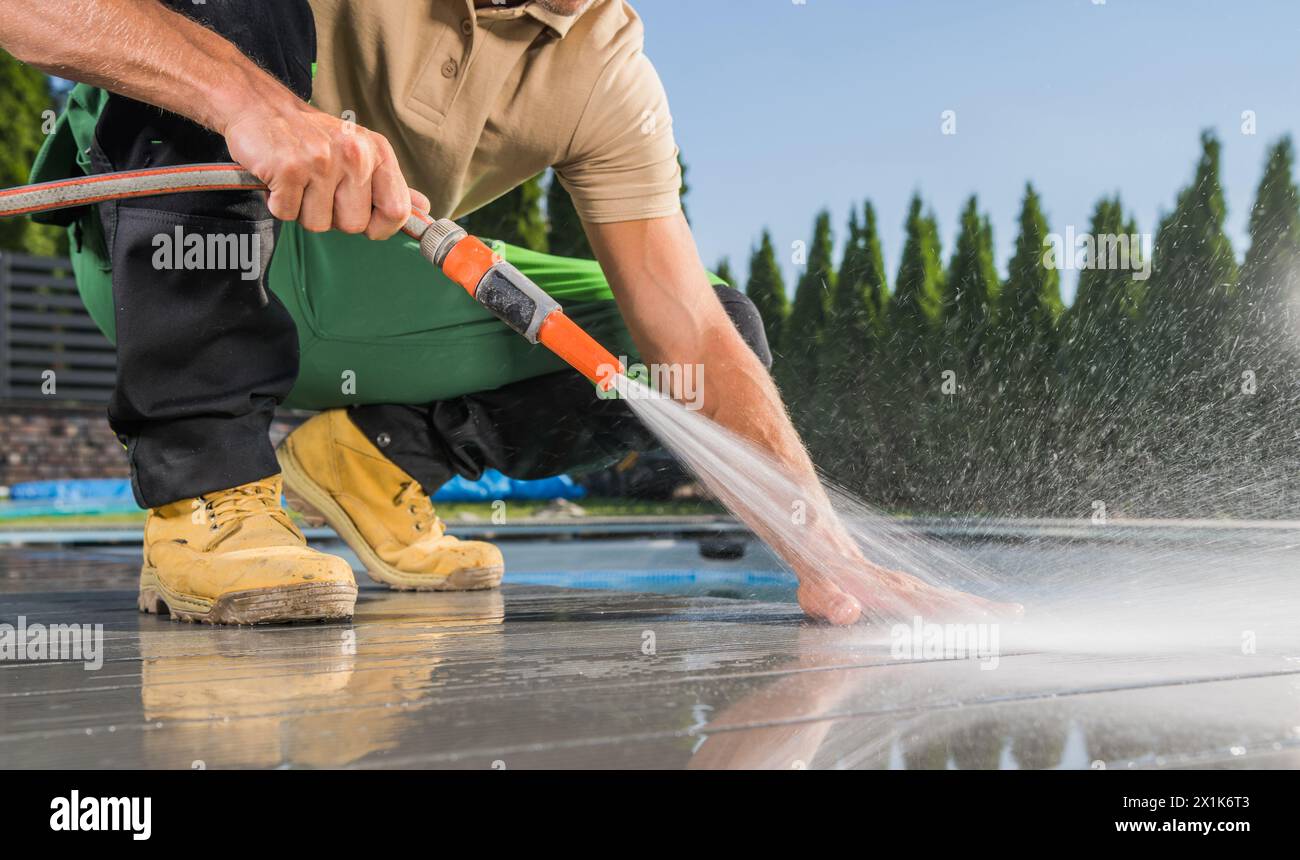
x=533 y=676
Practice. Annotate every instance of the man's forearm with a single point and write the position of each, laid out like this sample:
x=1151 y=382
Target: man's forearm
x=676 y=319
x=740 y=395
x=745 y=401
x=322 y=171
x=140 y=49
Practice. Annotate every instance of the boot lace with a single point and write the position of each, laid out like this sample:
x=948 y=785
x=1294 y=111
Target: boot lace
x=420 y=507
x=240 y=503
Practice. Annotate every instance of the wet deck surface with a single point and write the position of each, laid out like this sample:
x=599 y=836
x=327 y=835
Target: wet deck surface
x=537 y=676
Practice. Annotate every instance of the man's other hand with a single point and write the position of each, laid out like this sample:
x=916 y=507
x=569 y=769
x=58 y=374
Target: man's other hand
x=831 y=592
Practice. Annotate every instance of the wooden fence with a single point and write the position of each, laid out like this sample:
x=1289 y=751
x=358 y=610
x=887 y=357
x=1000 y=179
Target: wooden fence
x=50 y=348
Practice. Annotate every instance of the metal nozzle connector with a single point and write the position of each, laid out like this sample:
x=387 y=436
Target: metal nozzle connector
x=439 y=239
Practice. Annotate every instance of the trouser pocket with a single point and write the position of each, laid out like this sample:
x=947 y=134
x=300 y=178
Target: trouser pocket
x=205 y=352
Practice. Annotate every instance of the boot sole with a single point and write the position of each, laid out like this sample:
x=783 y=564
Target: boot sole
x=307 y=602
x=309 y=499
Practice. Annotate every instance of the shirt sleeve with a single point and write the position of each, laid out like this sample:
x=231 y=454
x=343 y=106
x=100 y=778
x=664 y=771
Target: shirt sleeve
x=622 y=164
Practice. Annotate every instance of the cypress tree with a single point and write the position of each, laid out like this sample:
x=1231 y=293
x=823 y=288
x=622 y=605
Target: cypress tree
x=861 y=287
x=766 y=289
x=1100 y=404
x=912 y=312
x=1098 y=329
x=1029 y=304
x=723 y=271
x=802 y=340
x=960 y=434
x=515 y=217
x=1022 y=383
x=1186 y=352
x=816 y=284
x=565 y=234
x=904 y=369
x=24 y=97
x=855 y=317
x=1270 y=278
x=852 y=333
x=1269 y=325
x=971 y=291
x=1186 y=304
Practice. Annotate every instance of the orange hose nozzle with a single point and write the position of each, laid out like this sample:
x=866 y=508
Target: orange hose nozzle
x=468 y=261
x=580 y=350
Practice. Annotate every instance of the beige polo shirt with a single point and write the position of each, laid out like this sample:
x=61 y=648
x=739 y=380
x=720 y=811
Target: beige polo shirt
x=477 y=101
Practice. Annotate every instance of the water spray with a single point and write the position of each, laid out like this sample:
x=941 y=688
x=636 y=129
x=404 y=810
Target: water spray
x=748 y=480
x=495 y=284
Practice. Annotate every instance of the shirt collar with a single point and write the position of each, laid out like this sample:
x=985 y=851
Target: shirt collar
x=559 y=24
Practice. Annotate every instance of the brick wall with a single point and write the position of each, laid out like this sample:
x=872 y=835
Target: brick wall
x=40 y=442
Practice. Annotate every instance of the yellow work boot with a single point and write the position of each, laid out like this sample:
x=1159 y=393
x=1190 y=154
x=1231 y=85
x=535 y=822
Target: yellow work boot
x=235 y=557
x=331 y=470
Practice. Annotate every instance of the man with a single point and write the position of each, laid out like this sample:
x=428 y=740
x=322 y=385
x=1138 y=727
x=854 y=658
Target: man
x=464 y=101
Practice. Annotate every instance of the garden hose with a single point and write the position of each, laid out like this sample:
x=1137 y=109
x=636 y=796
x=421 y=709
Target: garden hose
x=498 y=286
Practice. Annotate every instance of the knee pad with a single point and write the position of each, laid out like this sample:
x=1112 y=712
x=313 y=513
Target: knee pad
x=747 y=320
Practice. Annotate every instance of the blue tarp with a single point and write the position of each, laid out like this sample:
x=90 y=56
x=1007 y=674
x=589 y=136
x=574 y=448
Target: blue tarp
x=28 y=508
x=494 y=485
x=97 y=489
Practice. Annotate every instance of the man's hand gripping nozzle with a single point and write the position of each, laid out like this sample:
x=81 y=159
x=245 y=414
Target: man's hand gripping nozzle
x=490 y=280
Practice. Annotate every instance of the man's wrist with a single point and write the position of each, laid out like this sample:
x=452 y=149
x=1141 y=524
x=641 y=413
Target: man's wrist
x=228 y=96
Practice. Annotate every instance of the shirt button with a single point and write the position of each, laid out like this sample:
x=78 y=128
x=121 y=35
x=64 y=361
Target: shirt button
x=449 y=69
x=466 y=26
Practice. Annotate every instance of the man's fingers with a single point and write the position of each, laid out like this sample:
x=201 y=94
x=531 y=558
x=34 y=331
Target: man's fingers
x=317 y=213
x=342 y=178
x=383 y=228
x=419 y=201
x=352 y=205
x=355 y=156
x=824 y=601
x=391 y=198
x=285 y=201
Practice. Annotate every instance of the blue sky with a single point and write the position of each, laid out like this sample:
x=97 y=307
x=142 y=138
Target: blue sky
x=783 y=108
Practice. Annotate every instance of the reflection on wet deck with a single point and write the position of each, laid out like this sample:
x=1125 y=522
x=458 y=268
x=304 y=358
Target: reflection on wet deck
x=547 y=677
